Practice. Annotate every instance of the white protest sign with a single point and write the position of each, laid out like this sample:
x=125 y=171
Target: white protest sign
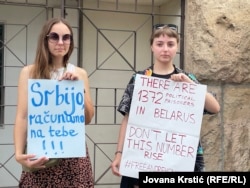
x=163 y=127
x=56 y=120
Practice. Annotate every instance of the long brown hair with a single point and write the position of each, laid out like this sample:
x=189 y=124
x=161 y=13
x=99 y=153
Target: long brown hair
x=43 y=60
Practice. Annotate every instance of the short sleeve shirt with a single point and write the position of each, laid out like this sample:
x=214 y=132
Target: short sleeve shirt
x=125 y=103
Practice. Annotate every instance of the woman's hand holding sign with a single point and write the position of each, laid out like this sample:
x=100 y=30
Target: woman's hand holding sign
x=69 y=76
x=181 y=77
x=29 y=161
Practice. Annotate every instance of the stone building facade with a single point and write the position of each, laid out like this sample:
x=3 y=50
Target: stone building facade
x=217 y=50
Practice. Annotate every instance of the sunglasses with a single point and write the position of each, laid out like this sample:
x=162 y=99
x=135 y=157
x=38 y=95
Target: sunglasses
x=171 y=26
x=54 y=38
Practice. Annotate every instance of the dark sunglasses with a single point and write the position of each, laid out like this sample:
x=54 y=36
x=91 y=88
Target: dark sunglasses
x=171 y=26
x=54 y=38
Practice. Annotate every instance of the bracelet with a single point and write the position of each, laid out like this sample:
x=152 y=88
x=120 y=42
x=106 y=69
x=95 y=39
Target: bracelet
x=118 y=152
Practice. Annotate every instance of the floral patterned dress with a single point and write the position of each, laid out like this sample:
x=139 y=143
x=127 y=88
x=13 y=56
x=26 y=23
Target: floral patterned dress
x=68 y=173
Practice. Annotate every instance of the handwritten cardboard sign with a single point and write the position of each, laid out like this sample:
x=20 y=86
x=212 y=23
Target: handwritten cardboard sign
x=56 y=120
x=163 y=127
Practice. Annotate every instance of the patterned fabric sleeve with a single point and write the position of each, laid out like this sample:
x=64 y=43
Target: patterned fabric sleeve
x=124 y=106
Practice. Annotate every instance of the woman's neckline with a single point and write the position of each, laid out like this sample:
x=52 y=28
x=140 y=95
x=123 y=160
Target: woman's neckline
x=172 y=71
x=60 y=68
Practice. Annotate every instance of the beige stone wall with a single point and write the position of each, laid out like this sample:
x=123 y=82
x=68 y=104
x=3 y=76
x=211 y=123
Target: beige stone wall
x=217 y=50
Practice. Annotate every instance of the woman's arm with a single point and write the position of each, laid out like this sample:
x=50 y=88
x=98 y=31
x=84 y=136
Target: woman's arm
x=89 y=108
x=81 y=74
x=211 y=104
x=21 y=123
x=116 y=162
x=20 y=128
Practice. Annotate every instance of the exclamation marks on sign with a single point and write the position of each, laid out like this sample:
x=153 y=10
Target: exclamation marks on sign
x=61 y=145
x=52 y=143
x=44 y=147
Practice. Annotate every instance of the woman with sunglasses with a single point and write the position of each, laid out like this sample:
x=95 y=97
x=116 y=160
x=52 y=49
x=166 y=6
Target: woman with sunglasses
x=55 y=46
x=164 y=43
